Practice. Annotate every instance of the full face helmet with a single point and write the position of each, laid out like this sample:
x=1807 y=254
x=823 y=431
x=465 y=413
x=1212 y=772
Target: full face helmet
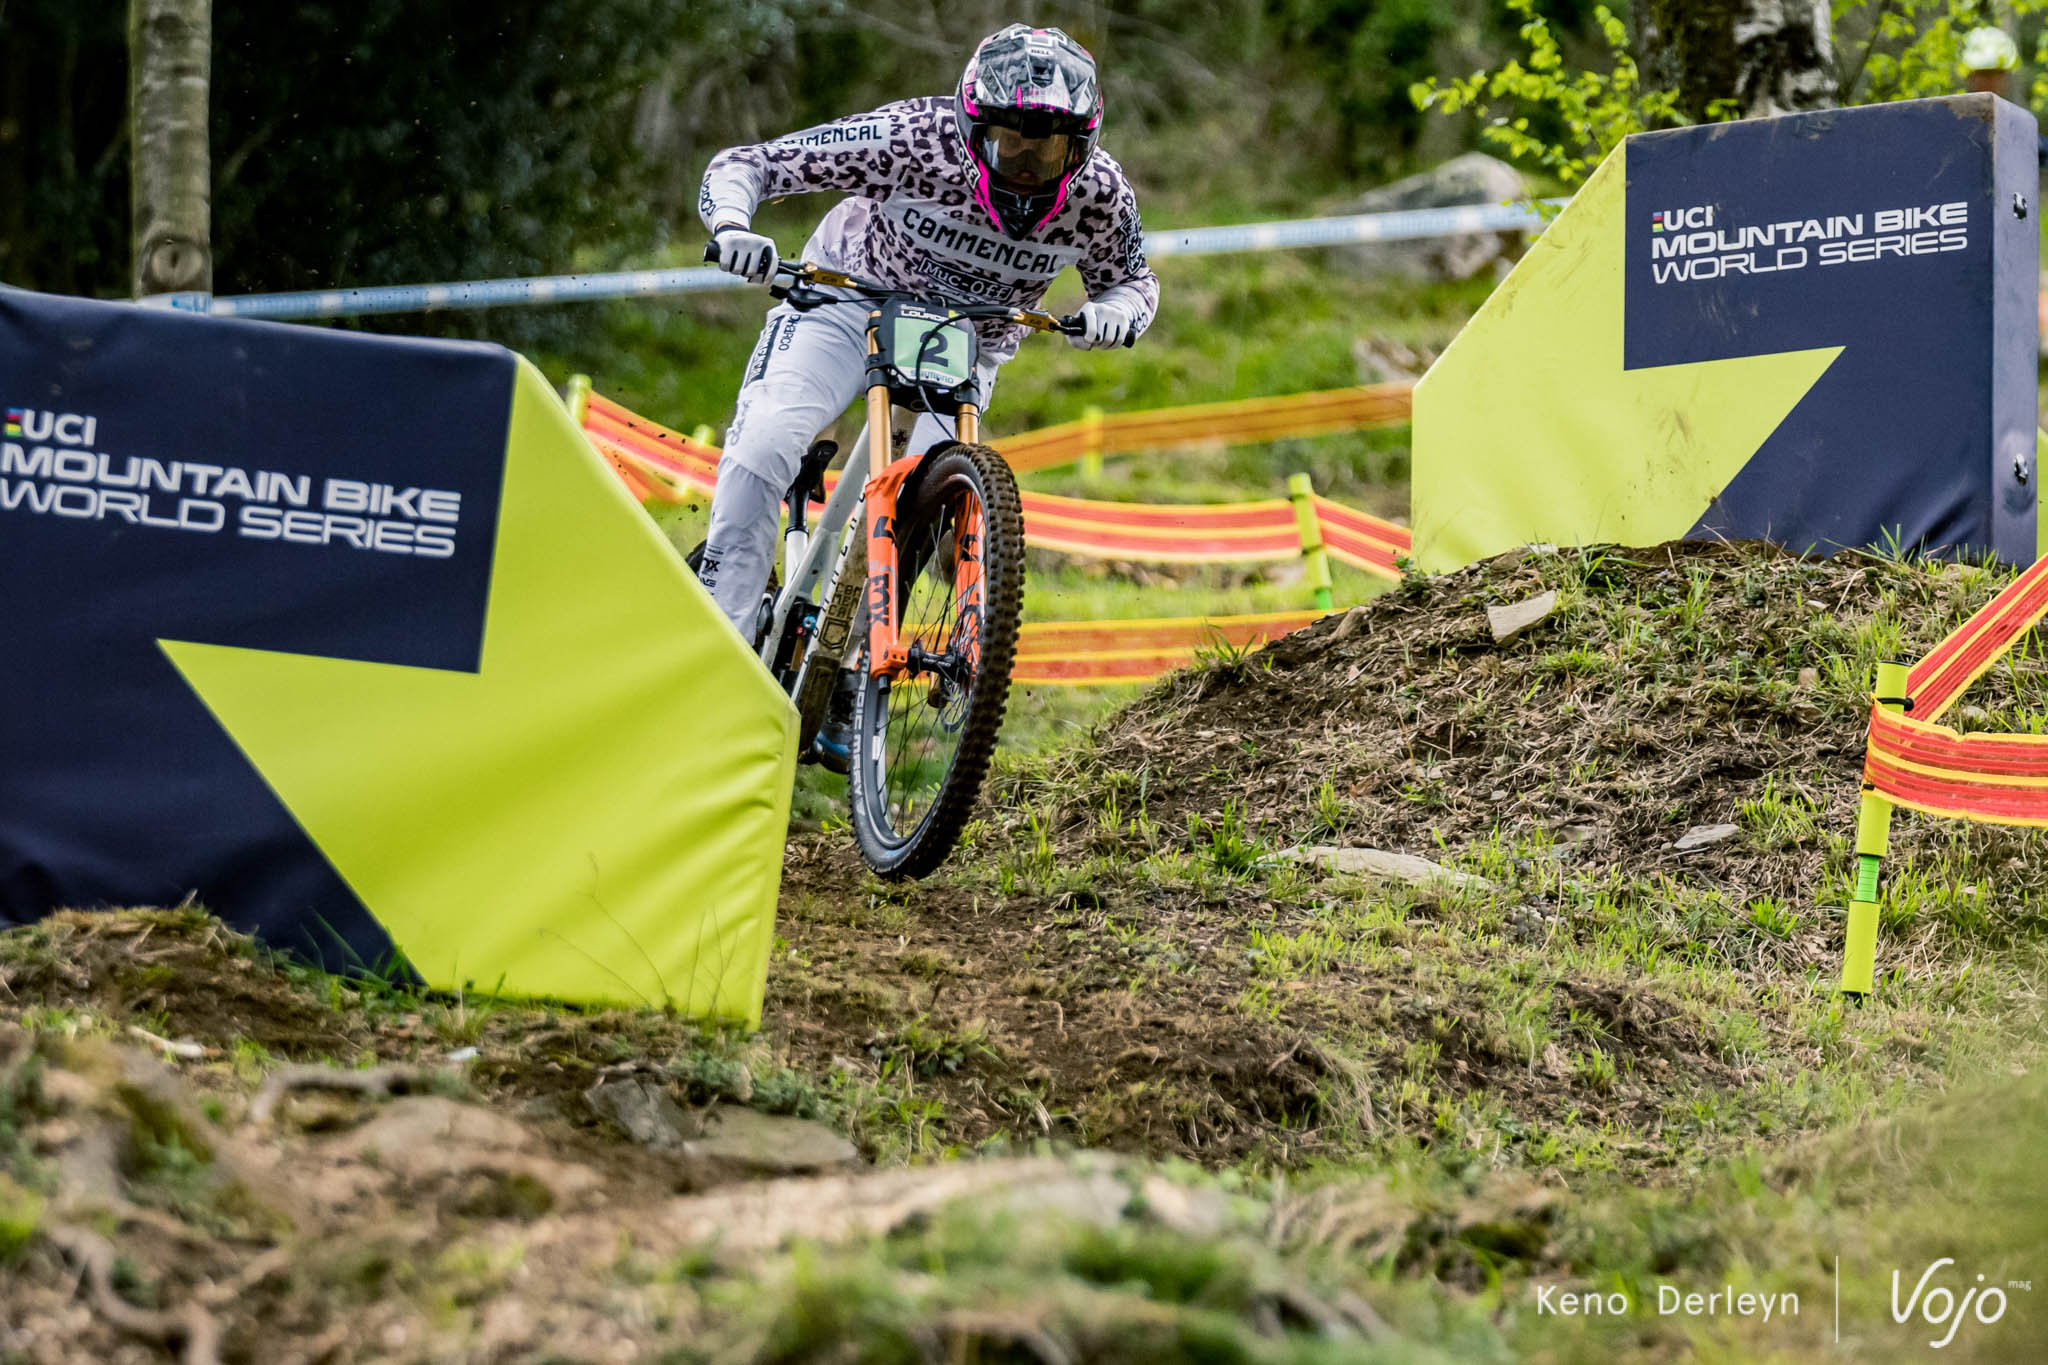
x=1031 y=113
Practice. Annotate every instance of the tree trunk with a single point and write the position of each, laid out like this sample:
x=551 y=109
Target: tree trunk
x=1769 y=56
x=170 y=63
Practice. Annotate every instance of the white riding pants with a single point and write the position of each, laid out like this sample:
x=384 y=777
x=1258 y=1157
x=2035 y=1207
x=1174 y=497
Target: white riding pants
x=805 y=370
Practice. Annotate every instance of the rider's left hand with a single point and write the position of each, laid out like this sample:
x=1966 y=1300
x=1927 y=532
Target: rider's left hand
x=1105 y=324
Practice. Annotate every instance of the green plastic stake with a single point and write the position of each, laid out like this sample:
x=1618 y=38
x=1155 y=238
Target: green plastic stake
x=1091 y=453
x=1310 y=527
x=577 y=397
x=1873 y=842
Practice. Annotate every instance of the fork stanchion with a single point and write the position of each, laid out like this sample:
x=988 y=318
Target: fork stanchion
x=1301 y=490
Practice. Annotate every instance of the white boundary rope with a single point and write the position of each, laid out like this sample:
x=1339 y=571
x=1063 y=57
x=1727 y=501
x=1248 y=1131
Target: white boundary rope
x=428 y=298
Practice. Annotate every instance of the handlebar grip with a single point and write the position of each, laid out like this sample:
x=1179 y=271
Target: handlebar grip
x=711 y=253
x=1071 y=325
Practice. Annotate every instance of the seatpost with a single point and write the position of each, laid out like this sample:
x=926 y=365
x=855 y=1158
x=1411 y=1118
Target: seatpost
x=796 y=541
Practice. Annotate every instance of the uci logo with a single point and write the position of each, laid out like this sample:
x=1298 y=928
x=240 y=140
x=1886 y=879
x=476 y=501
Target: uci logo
x=65 y=428
x=1939 y=1307
x=1681 y=220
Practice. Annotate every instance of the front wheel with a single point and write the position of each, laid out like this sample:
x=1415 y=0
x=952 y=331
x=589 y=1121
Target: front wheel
x=922 y=743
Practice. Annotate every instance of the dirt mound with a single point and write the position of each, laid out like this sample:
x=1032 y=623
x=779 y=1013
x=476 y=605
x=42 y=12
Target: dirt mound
x=1667 y=688
x=1123 y=956
x=1119 y=958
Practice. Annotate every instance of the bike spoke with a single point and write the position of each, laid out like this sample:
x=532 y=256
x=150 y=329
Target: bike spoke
x=923 y=738
x=928 y=732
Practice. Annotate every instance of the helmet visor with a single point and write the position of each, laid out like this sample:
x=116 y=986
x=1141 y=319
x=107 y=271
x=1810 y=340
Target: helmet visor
x=1024 y=163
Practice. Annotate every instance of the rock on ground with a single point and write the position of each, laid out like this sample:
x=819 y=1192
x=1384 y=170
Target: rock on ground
x=1474 y=178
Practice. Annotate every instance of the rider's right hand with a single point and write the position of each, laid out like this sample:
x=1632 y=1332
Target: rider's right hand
x=746 y=254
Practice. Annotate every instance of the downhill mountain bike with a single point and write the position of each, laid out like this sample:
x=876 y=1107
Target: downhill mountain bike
x=913 y=580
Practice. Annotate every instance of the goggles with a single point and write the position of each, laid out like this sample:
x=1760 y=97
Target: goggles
x=1028 y=162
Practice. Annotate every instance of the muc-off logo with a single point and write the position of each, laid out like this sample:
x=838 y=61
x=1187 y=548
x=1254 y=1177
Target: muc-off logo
x=962 y=283
x=59 y=428
x=1682 y=220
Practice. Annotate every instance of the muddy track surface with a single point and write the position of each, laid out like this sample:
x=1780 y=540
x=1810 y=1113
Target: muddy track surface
x=1119 y=959
x=1096 y=966
x=1149 y=945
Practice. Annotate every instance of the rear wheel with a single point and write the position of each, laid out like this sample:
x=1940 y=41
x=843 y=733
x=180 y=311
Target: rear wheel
x=922 y=743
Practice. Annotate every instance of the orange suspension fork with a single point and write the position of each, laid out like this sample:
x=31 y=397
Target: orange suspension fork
x=888 y=657
x=886 y=654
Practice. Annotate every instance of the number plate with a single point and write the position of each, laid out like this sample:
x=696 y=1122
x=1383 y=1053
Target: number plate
x=929 y=348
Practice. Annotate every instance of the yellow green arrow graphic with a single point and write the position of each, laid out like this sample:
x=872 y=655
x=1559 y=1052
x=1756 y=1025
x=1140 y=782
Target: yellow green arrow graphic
x=598 y=812
x=1528 y=429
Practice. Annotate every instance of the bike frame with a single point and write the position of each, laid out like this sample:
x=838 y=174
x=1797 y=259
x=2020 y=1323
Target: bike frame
x=887 y=655
x=866 y=496
x=856 y=532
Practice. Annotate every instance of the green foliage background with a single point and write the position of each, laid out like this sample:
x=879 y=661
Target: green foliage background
x=1544 y=110
x=390 y=141
x=399 y=141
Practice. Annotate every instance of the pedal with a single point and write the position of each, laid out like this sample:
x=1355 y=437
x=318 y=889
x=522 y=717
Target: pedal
x=829 y=757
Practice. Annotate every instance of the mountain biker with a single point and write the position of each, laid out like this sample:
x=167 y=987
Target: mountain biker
x=985 y=195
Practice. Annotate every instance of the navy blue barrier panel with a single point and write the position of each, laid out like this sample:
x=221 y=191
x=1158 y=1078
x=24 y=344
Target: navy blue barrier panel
x=1903 y=233
x=234 y=483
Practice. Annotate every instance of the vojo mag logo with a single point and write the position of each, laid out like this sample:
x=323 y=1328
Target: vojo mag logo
x=64 y=428
x=1682 y=220
x=1941 y=1310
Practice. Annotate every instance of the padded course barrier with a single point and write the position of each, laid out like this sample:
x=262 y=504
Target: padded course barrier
x=1817 y=330
x=356 y=641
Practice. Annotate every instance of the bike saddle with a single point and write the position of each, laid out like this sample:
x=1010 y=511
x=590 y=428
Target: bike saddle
x=810 y=475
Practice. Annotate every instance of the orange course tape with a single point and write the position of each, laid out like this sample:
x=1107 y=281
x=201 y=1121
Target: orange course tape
x=658 y=463
x=1997 y=779
x=1236 y=422
x=1046 y=447
x=1102 y=653
x=1234 y=533
x=1913 y=762
x=1961 y=659
x=665 y=461
x=1363 y=541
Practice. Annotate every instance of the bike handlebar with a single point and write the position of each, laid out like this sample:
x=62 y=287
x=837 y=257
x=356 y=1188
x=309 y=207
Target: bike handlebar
x=806 y=273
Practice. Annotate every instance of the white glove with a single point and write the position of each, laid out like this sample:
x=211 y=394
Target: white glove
x=746 y=254
x=1106 y=324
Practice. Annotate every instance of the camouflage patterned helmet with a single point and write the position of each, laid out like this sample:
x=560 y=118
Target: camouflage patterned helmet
x=1030 y=112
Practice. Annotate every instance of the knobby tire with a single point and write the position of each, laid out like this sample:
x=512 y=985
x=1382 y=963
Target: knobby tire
x=880 y=808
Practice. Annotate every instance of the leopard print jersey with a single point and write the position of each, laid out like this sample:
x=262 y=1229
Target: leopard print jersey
x=910 y=220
